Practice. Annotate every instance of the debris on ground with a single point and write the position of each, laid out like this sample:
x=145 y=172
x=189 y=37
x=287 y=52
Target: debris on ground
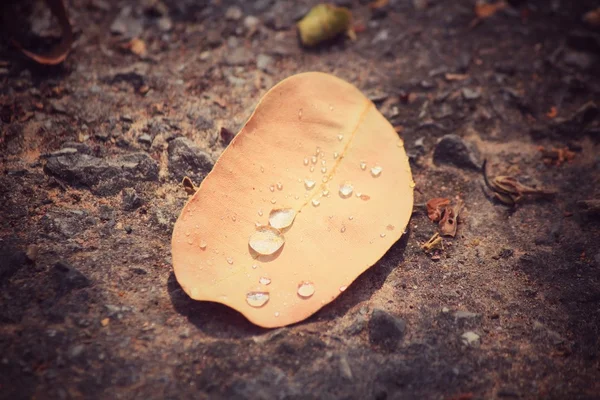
x=324 y=22
x=556 y=156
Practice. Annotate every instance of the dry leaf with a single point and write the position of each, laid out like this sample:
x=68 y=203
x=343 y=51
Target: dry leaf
x=435 y=208
x=449 y=221
x=189 y=186
x=60 y=51
x=552 y=113
x=312 y=191
x=324 y=22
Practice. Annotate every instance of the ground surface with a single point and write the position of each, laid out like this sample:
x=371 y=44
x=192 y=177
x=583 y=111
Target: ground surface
x=89 y=306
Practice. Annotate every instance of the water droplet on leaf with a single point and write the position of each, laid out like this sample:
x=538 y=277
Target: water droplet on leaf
x=281 y=218
x=382 y=235
x=257 y=299
x=315 y=202
x=306 y=289
x=279 y=186
x=309 y=184
x=203 y=245
x=264 y=280
x=376 y=171
x=313 y=159
x=305 y=160
x=266 y=240
x=229 y=260
x=340 y=137
x=346 y=189
x=272 y=188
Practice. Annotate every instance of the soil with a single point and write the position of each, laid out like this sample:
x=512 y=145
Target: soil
x=89 y=306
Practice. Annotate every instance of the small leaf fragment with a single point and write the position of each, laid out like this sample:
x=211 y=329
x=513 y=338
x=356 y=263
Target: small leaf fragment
x=449 y=221
x=435 y=208
x=324 y=22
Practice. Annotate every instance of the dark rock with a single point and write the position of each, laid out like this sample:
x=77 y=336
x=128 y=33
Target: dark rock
x=452 y=149
x=68 y=278
x=103 y=177
x=131 y=200
x=356 y=326
x=385 y=330
x=11 y=261
x=67 y=223
x=186 y=159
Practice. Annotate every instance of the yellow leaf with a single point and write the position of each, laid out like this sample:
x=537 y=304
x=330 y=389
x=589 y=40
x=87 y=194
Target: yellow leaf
x=314 y=189
x=324 y=22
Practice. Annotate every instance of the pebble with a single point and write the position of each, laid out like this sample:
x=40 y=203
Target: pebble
x=452 y=149
x=465 y=315
x=471 y=94
x=251 y=23
x=187 y=159
x=130 y=199
x=68 y=278
x=233 y=13
x=345 y=369
x=263 y=62
x=470 y=338
x=356 y=326
x=385 y=330
x=145 y=139
x=165 y=24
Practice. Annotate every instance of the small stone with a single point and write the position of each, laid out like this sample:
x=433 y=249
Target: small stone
x=356 y=326
x=345 y=369
x=233 y=13
x=471 y=94
x=445 y=310
x=186 y=159
x=105 y=321
x=128 y=229
x=263 y=62
x=251 y=23
x=239 y=56
x=452 y=149
x=165 y=24
x=145 y=139
x=385 y=330
x=76 y=350
x=130 y=199
x=32 y=252
x=470 y=339
x=465 y=315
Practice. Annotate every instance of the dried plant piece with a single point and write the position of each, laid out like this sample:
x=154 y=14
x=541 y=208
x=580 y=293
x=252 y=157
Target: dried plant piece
x=188 y=186
x=136 y=46
x=556 y=156
x=552 y=113
x=230 y=232
x=509 y=191
x=59 y=52
x=592 y=18
x=435 y=208
x=485 y=10
x=449 y=221
x=435 y=242
x=324 y=22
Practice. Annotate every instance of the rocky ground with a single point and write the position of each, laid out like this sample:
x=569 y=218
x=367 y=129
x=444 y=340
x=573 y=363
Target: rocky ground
x=92 y=153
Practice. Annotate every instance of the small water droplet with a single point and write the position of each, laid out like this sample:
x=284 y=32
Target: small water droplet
x=229 y=260
x=325 y=179
x=233 y=218
x=342 y=288
x=279 y=186
x=346 y=189
x=382 y=235
x=306 y=289
x=262 y=169
x=312 y=169
x=296 y=197
x=276 y=314
x=363 y=165
x=264 y=280
x=335 y=155
x=313 y=159
x=273 y=201
x=317 y=151
x=300 y=114
x=257 y=299
x=330 y=107
x=400 y=143
x=272 y=188
x=412 y=184
x=351 y=218
x=390 y=227
x=315 y=202
x=281 y=218
x=257 y=224
x=323 y=162
x=340 y=137
x=305 y=160
x=260 y=213
x=254 y=266
x=343 y=229
x=376 y=171
x=266 y=240
x=309 y=184
x=190 y=241
x=326 y=193
x=203 y=245
x=187 y=233
x=323 y=170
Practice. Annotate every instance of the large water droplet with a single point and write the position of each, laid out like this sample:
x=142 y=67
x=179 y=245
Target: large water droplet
x=281 y=218
x=203 y=245
x=264 y=280
x=346 y=189
x=266 y=240
x=257 y=299
x=309 y=184
x=306 y=289
x=315 y=202
x=376 y=171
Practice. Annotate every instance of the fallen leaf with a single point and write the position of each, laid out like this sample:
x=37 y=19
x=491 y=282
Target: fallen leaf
x=552 y=113
x=324 y=22
x=435 y=208
x=486 y=10
x=318 y=160
x=59 y=53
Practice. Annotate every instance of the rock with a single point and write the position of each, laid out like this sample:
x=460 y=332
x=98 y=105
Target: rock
x=233 y=13
x=239 y=56
x=68 y=278
x=145 y=139
x=385 y=330
x=251 y=23
x=470 y=339
x=470 y=94
x=103 y=177
x=165 y=24
x=357 y=326
x=130 y=199
x=345 y=369
x=65 y=222
x=465 y=315
x=263 y=62
x=76 y=350
x=452 y=149
x=11 y=260
x=186 y=159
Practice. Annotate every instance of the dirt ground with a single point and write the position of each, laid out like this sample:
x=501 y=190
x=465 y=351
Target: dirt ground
x=91 y=155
